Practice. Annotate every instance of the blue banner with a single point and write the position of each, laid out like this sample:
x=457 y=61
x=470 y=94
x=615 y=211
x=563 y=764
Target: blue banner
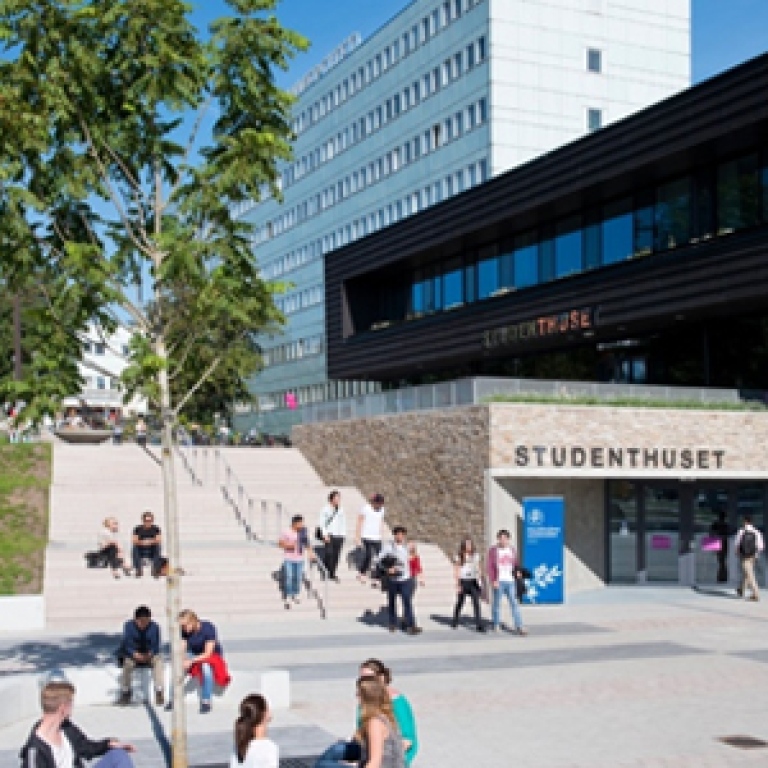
x=543 y=549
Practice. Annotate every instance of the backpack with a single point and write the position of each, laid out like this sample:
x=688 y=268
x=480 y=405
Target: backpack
x=748 y=544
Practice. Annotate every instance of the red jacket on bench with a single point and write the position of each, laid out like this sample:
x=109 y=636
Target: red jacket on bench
x=218 y=667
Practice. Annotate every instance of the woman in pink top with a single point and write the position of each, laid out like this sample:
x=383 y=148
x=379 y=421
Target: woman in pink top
x=294 y=542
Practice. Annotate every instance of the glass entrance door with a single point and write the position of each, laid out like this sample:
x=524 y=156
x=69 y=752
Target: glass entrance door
x=713 y=531
x=662 y=537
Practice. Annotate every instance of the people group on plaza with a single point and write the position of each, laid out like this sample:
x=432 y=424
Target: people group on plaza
x=146 y=548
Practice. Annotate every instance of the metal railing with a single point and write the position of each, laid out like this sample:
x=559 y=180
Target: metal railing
x=254 y=514
x=473 y=391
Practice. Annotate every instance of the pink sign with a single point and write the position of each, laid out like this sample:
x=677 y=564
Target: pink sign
x=710 y=544
x=290 y=400
x=661 y=542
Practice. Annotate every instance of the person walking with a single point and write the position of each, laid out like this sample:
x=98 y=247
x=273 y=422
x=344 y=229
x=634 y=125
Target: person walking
x=295 y=543
x=331 y=530
x=56 y=742
x=370 y=522
x=748 y=545
x=502 y=569
x=253 y=748
x=394 y=560
x=467 y=571
x=141 y=432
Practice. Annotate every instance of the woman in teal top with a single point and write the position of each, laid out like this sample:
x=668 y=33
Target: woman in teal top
x=344 y=753
x=400 y=706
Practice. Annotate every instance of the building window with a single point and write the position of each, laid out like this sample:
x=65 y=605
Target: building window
x=594 y=60
x=99 y=348
x=594 y=120
x=737 y=194
x=100 y=383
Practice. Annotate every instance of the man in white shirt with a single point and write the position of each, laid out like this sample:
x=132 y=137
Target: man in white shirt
x=748 y=545
x=396 y=561
x=368 y=533
x=332 y=525
x=503 y=568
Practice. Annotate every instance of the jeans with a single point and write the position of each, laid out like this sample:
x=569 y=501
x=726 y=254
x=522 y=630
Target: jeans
x=151 y=552
x=347 y=751
x=332 y=553
x=405 y=590
x=472 y=588
x=115 y=758
x=506 y=588
x=293 y=570
x=371 y=551
x=206 y=687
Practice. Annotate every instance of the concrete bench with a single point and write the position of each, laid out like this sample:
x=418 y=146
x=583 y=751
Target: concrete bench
x=97 y=686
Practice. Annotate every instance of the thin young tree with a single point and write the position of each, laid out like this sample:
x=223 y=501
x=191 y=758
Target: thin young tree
x=127 y=136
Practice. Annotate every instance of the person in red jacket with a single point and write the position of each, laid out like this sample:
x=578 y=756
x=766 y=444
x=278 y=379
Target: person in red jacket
x=205 y=656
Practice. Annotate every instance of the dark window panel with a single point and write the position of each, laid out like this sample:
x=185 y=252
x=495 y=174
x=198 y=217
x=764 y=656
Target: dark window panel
x=737 y=194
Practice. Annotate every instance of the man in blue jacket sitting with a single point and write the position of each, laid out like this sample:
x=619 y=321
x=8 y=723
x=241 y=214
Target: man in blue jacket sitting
x=141 y=648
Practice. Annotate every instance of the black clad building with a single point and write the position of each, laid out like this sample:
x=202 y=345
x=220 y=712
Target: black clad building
x=637 y=254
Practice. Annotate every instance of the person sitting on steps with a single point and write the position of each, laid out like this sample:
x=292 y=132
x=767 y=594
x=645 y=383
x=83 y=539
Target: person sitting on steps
x=147 y=541
x=141 y=648
x=110 y=549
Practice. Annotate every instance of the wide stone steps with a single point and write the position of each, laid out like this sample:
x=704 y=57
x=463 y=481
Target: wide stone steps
x=227 y=577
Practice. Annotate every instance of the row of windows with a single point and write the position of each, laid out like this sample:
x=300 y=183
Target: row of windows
x=451 y=185
x=422 y=88
x=388 y=57
x=295 y=350
x=295 y=302
x=101 y=382
x=318 y=393
x=440 y=134
x=713 y=202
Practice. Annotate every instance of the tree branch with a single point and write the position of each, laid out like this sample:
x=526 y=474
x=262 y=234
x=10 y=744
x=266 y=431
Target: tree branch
x=187 y=150
x=206 y=374
x=113 y=196
x=184 y=355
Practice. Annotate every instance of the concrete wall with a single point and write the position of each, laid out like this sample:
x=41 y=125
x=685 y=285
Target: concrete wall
x=585 y=554
x=429 y=465
x=22 y=612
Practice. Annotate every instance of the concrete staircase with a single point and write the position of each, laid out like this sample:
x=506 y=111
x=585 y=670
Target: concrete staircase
x=227 y=576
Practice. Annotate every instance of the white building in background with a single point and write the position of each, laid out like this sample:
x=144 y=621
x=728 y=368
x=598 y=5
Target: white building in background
x=444 y=96
x=104 y=358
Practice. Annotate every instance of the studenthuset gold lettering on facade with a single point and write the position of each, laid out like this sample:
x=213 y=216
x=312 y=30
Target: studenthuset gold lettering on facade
x=540 y=328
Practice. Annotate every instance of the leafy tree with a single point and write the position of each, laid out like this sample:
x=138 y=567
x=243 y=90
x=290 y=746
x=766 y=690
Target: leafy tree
x=103 y=104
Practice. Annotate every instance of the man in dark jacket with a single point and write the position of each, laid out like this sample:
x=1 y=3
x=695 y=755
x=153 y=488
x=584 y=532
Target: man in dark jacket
x=56 y=741
x=141 y=648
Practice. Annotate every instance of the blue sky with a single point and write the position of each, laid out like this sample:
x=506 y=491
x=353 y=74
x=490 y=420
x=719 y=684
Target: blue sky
x=724 y=32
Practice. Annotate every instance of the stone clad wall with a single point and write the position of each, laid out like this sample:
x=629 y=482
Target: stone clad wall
x=429 y=465
x=740 y=435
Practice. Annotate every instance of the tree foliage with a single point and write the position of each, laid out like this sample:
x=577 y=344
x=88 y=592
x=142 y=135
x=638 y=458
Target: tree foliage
x=102 y=192
x=104 y=184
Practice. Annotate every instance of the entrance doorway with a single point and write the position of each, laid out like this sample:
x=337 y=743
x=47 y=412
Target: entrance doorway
x=679 y=532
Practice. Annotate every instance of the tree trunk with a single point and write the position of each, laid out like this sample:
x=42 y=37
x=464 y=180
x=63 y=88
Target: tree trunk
x=17 y=337
x=173 y=590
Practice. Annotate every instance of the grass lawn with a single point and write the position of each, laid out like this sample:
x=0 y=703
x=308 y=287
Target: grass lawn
x=25 y=479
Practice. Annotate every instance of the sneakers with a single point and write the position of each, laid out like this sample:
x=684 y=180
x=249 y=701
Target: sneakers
x=125 y=699
x=496 y=629
x=287 y=606
x=296 y=600
x=159 y=698
x=392 y=628
x=454 y=624
x=205 y=707
x=413 y=631
x=520 y=631
x=139 y=573
x=481 y=628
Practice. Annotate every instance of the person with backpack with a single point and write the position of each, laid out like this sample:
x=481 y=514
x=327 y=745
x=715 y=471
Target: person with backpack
x=748 y=545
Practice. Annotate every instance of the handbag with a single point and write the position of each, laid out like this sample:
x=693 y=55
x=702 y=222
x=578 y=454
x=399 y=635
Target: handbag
x=319 y=531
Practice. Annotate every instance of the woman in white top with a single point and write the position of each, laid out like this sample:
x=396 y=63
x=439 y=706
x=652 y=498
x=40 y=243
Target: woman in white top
x=252 y=747
x=369 y=525
x=110 y=549
x=332 y=528
x=467 y=570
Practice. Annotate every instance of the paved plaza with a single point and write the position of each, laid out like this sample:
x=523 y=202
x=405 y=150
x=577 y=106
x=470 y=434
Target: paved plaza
x=620 y=677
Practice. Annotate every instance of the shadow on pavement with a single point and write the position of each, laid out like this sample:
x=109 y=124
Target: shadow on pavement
x=91 y=648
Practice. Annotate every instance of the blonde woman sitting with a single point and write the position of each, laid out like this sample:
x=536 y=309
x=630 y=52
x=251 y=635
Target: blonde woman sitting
x=110 y=549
